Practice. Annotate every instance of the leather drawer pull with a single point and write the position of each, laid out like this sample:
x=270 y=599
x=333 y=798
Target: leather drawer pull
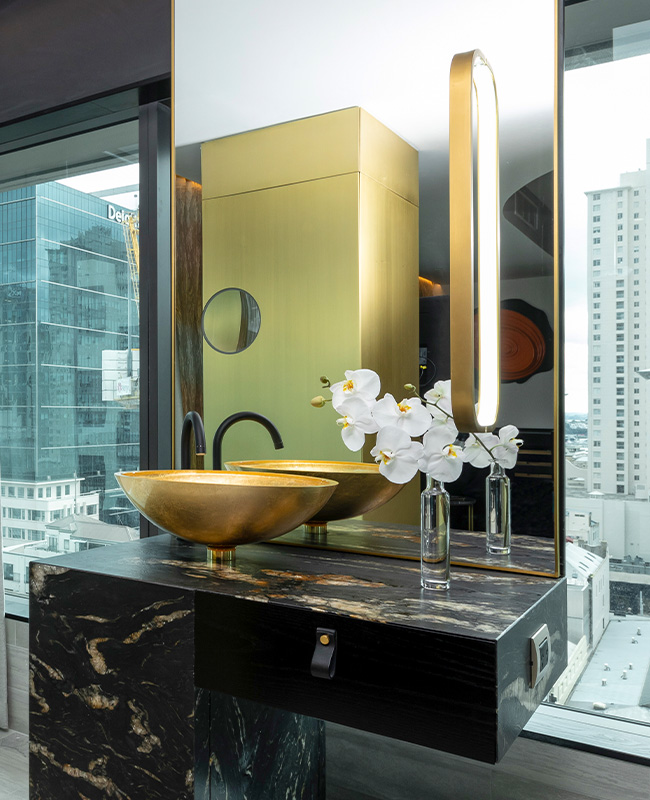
x=323 y=662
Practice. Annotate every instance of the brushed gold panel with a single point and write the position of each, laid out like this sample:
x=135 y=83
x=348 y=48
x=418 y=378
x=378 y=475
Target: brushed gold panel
x=303 y=150
x=389 y=309
x=332 y=263
x=295 y=249
x=387 y=158
x=338 y=143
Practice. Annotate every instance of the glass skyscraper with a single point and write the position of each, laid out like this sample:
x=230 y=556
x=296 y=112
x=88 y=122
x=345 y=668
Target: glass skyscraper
x=68 y=344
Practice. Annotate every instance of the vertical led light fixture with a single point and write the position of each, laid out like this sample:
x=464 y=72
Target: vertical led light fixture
x=474 y=220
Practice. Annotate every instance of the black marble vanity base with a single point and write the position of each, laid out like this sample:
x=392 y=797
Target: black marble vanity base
x=114 y=712
x=111 y=688
x=138 y=652
x=263 y=753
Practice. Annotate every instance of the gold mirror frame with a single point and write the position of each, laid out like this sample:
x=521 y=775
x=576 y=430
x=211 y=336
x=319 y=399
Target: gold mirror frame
x=557 y=320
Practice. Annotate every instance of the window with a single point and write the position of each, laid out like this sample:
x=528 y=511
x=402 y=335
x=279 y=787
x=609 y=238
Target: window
x=619 y=238
x=64 y=433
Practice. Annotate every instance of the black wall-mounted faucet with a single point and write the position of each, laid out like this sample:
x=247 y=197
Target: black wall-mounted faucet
x=230 y=421
x=192 y=422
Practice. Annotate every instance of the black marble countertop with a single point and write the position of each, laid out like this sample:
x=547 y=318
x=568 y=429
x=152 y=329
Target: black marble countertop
x=480 y=603
x=529 y=553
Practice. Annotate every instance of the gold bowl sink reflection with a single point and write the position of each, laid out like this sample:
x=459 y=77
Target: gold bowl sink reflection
x=361 y=487
x=222 y=509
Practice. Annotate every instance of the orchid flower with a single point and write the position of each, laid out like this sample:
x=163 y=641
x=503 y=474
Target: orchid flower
x=363 y=383
x=478 y=449
x=409 y=415
x=507 y=448
x=396 y=454
x=442 y=458
x=439 y=398
x=438 y=402
x=356 y=421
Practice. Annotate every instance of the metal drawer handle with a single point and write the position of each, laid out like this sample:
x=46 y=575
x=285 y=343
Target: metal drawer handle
x=323 y=662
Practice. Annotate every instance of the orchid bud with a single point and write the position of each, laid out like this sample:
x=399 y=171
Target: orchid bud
x=325 y=381
x=319 y=401
x=409 y=387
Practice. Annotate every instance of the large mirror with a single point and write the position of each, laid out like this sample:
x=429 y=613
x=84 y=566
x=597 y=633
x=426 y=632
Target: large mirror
x=312 y=149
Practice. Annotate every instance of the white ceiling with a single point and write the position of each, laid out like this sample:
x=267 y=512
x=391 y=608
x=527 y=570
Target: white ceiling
x=244 y=64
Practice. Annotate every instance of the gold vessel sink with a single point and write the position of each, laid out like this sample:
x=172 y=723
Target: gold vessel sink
x=361 y=487
x=222 y=509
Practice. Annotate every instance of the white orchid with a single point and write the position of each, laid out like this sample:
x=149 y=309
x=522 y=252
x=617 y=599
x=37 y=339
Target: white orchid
x=439 y=397
x=395 y=423
x=363 y=383
x=396 y=454
x=505 y=452
x=409 y=415
x=441 y=458
x=478 y=449
x=355 y=421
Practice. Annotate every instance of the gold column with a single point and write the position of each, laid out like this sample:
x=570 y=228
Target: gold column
x=318 y=220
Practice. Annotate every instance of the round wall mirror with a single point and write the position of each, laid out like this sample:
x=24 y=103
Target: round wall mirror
x=231 y=320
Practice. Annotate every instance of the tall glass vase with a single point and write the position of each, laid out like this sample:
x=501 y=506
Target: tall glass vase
x=434 y=527
x=497 y=510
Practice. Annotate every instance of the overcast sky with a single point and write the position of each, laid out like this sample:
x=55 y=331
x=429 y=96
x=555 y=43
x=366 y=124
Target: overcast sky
x=606 y=124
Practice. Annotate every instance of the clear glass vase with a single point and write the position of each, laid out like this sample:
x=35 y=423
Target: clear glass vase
x=434 y=559
x=497 y=510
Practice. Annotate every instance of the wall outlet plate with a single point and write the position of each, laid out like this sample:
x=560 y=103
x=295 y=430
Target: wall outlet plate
x=540 y=654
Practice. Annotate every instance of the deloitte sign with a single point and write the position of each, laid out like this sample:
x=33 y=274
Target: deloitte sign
x=116 y=215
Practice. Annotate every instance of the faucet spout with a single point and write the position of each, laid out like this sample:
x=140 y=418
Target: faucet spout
x=230 y=421
x=192 y=422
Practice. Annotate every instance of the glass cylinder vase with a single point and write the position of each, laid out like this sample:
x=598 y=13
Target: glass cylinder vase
x=434 y=527
x=497 y=510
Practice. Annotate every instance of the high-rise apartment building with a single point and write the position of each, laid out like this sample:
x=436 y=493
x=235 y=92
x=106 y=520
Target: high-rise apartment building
x=67 y=310
x=618 y=349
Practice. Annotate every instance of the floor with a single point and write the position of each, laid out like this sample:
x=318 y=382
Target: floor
x=14 y=774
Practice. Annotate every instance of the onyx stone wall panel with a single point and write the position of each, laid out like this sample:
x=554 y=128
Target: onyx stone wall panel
x=59 y=52
x=188 y=353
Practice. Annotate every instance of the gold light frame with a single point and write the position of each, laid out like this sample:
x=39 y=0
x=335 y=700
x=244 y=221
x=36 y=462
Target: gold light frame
x=471 y=82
